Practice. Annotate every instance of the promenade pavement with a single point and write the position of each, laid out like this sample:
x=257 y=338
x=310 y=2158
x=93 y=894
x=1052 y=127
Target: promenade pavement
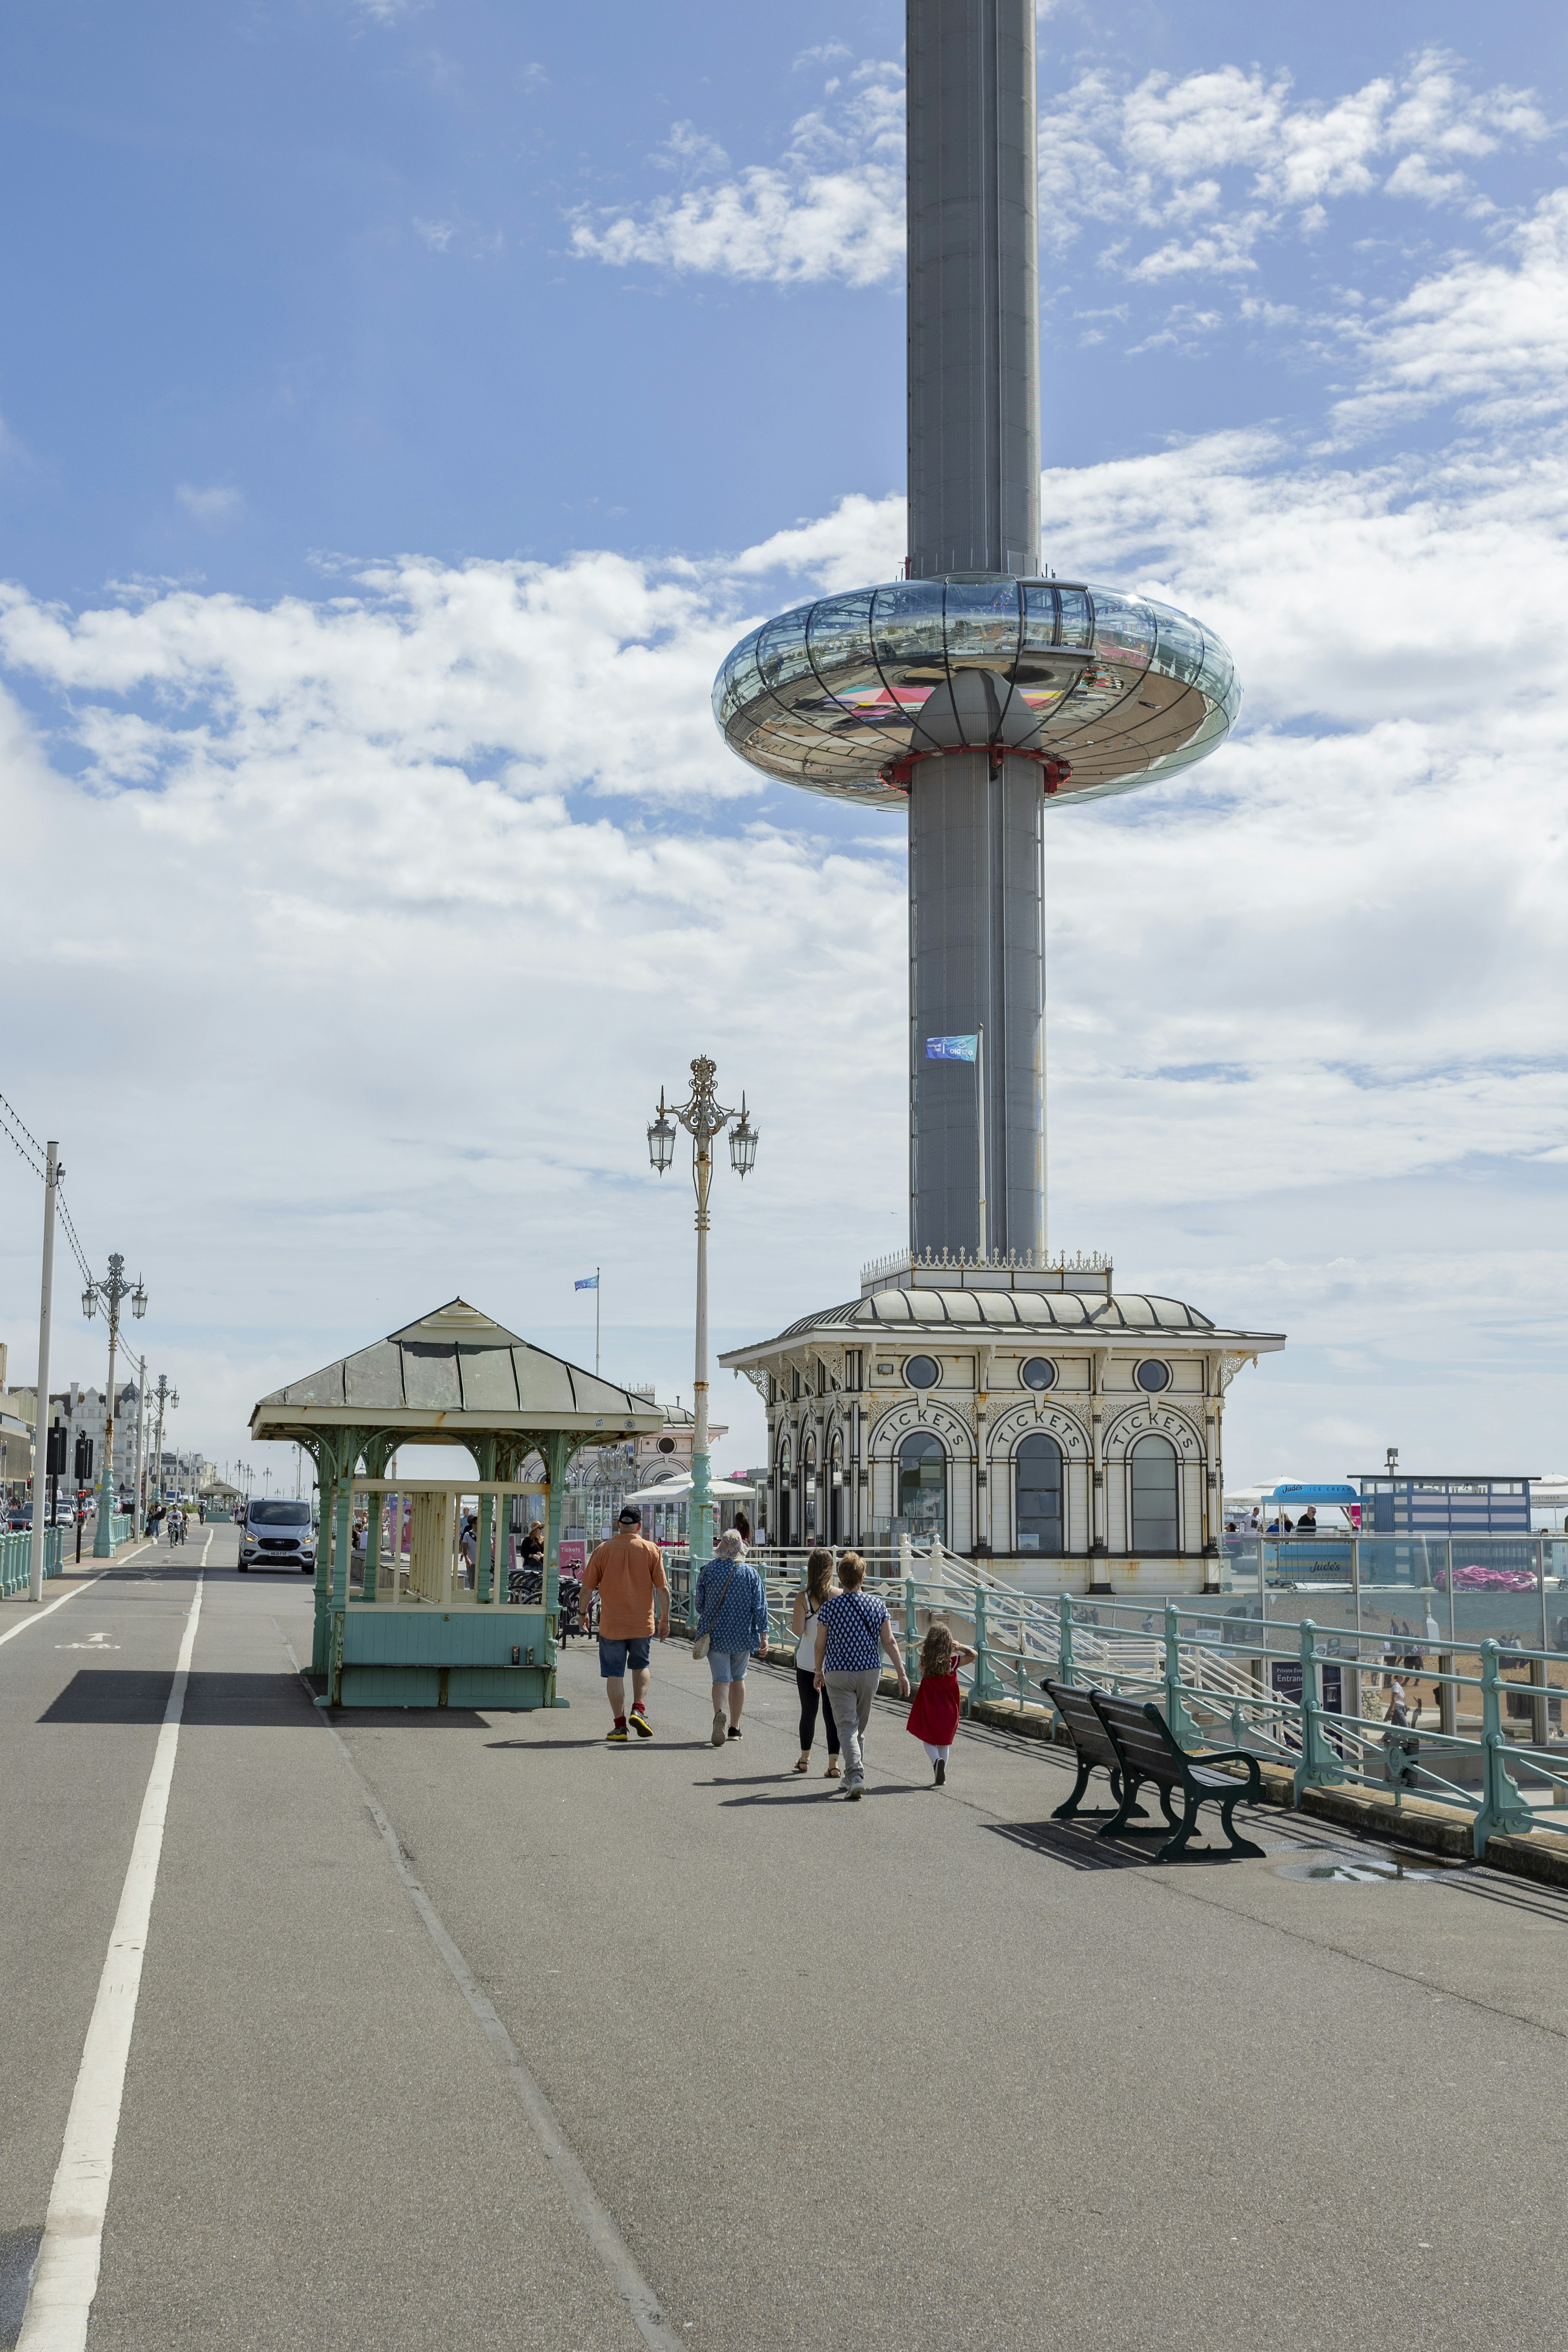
x=928 y=2070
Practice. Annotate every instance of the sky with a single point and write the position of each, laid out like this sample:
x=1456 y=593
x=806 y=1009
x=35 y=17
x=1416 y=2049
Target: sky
x=403 y=408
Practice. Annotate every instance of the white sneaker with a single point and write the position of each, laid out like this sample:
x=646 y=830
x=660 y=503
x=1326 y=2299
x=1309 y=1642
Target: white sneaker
x=721 y=1729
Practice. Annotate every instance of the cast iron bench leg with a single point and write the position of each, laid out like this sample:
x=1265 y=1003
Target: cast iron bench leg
x=1174 y=1847
x=1239 y=1845
x=1127 y=1805
x=1065 y=1812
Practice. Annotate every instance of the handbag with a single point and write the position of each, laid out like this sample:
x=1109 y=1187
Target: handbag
x=704 y=1641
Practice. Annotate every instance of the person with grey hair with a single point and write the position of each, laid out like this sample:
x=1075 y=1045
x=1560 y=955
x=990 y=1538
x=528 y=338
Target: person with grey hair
x=733 y=1613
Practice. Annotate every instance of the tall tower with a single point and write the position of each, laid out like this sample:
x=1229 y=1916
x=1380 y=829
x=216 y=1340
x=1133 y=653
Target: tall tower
x=981 y=687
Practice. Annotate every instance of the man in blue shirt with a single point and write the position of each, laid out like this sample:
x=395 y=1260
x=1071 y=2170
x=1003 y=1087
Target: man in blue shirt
x=733 y=1610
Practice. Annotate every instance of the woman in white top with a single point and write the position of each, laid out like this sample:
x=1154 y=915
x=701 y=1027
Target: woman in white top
x=808 y=1603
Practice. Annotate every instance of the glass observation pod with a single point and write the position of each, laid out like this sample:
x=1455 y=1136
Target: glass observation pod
x=1107 y=691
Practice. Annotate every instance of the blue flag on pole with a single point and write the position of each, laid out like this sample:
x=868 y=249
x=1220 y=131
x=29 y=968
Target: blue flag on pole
x=590 y=1282
x=949 y=1049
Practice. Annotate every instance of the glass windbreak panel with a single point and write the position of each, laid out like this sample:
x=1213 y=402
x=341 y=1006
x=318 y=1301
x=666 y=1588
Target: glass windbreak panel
x=1123 y=631
x=923 y=1486
x=838 y=633
x=1039 y=1492
x=1154 y=1495
x=982 y=621
x=1042 y=615
x=1078 y=616
x=781 y=648
x=280 y=1515
x=740 y=681
x=1179 y=648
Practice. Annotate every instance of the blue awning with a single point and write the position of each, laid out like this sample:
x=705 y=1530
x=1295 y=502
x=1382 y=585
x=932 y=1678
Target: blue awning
x=1340 y=1497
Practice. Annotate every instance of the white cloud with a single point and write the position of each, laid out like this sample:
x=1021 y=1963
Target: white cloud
x=211 y=507
x=832 y=207
x=1490 y=335
x=1230 y=151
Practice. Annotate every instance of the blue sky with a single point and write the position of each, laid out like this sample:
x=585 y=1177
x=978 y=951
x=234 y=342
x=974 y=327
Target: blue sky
x=402 y=407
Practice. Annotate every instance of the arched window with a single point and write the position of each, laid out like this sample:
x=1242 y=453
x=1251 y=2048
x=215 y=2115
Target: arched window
x=923 y=1486
x=785 y=1515
x=1155 y=1496
x=808 y=1490
x=1039 y=1493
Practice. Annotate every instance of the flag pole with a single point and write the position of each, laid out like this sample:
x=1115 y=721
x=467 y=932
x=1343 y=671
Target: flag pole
x=595 y=1322
x=980 y=1120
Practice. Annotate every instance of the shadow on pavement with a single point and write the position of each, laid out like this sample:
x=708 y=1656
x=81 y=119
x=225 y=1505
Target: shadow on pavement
x=139 y=1694
x=1084 y=1848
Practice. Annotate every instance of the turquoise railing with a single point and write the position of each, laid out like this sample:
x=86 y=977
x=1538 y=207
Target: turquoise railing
x=16 y=1558
x=1312 y=1698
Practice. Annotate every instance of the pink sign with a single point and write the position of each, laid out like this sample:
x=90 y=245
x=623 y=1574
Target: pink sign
x=573 y=1554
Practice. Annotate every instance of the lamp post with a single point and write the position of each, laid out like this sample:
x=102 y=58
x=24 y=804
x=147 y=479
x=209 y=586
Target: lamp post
x=170 y=1397
x=108 y=1294
x=138 y=1496
x=703 y=1117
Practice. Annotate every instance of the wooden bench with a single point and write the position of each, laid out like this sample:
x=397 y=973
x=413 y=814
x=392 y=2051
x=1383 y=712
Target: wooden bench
x=1092 y=1745
x=1147 y=1750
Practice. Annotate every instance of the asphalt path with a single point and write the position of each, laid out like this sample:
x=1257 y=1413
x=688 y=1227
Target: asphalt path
x=926 y=2070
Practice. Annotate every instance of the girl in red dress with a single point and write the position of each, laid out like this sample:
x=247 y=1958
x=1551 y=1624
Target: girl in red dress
x=933 y=1718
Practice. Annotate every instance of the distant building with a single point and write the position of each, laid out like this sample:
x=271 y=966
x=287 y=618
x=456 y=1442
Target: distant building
x=1400 y=1505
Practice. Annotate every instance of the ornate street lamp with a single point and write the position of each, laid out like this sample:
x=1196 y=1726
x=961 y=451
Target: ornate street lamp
x=703 y=1117
x=110 y=1294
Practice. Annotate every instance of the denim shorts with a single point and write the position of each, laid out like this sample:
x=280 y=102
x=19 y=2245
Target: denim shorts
x=614 y=1657
x=729 y=1666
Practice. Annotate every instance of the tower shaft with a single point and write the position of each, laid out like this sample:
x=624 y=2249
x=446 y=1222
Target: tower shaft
x=974 y=289
x=976 y=922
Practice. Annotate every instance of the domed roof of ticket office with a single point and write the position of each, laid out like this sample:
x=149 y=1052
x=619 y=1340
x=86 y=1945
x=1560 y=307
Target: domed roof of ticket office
x=1009 y=1311
x=455 y=1372
x=834 y=695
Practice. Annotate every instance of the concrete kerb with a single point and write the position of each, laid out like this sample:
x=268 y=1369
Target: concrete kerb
x=1414 y=1822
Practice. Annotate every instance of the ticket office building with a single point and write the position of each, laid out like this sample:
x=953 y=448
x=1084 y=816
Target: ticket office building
x=1069 y=1435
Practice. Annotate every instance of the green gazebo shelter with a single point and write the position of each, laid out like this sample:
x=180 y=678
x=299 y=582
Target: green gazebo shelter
x=415 y=1636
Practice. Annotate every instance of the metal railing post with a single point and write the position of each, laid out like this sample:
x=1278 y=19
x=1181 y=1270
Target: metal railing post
x=1067 y=1671
x=1319 y=1767
x=1176 y=1713
x=985 y=1685
x=1502 y=1809
x=911 y=1629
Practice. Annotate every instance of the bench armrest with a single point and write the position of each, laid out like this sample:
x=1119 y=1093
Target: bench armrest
x=1237 y=1756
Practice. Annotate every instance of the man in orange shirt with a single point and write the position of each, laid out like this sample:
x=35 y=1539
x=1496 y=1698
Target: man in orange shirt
x=627 y=1573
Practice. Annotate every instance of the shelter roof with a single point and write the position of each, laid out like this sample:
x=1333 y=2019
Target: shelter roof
x=452 y=1375
x=1127 y=1317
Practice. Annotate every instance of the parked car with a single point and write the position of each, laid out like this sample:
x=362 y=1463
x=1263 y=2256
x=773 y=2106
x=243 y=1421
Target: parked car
x=19 y=1517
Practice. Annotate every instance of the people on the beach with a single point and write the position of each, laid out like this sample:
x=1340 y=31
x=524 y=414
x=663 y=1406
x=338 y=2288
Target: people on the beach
x=807 y=1607
x=733 y=1610
x=627 y=1573
x=933 y=1718
x=852 y=1627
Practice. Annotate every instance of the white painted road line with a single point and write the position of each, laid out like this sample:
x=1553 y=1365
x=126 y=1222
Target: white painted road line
x=582 y=2195
x=65 y=2279
x=38 y=1616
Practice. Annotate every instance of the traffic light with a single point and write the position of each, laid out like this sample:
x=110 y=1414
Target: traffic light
x=55 y=1458
x=83 y=1461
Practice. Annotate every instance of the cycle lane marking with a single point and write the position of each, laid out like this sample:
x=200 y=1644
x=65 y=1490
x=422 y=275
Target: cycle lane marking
x=65 y=2279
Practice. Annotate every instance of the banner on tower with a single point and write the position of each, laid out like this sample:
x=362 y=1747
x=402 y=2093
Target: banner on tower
x=949 y=1049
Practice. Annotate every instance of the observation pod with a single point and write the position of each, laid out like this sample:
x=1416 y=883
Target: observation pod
x=1101 y=691
x=971 y=701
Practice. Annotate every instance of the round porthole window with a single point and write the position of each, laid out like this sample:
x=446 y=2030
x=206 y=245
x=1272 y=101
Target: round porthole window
x=922 y=1371
x=667 y=1444
x=1154 y=1377
x=1040 y=1372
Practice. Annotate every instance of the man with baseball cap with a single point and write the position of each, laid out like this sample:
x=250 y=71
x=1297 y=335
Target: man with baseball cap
x=627 y=1573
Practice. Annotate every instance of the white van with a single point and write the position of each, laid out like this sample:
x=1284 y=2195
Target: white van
x=279 y=1535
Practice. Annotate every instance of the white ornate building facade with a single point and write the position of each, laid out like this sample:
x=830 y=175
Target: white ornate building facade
x=1038 y=1417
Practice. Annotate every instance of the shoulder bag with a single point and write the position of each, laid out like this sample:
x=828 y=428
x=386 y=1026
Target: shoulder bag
x=704 y=1641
